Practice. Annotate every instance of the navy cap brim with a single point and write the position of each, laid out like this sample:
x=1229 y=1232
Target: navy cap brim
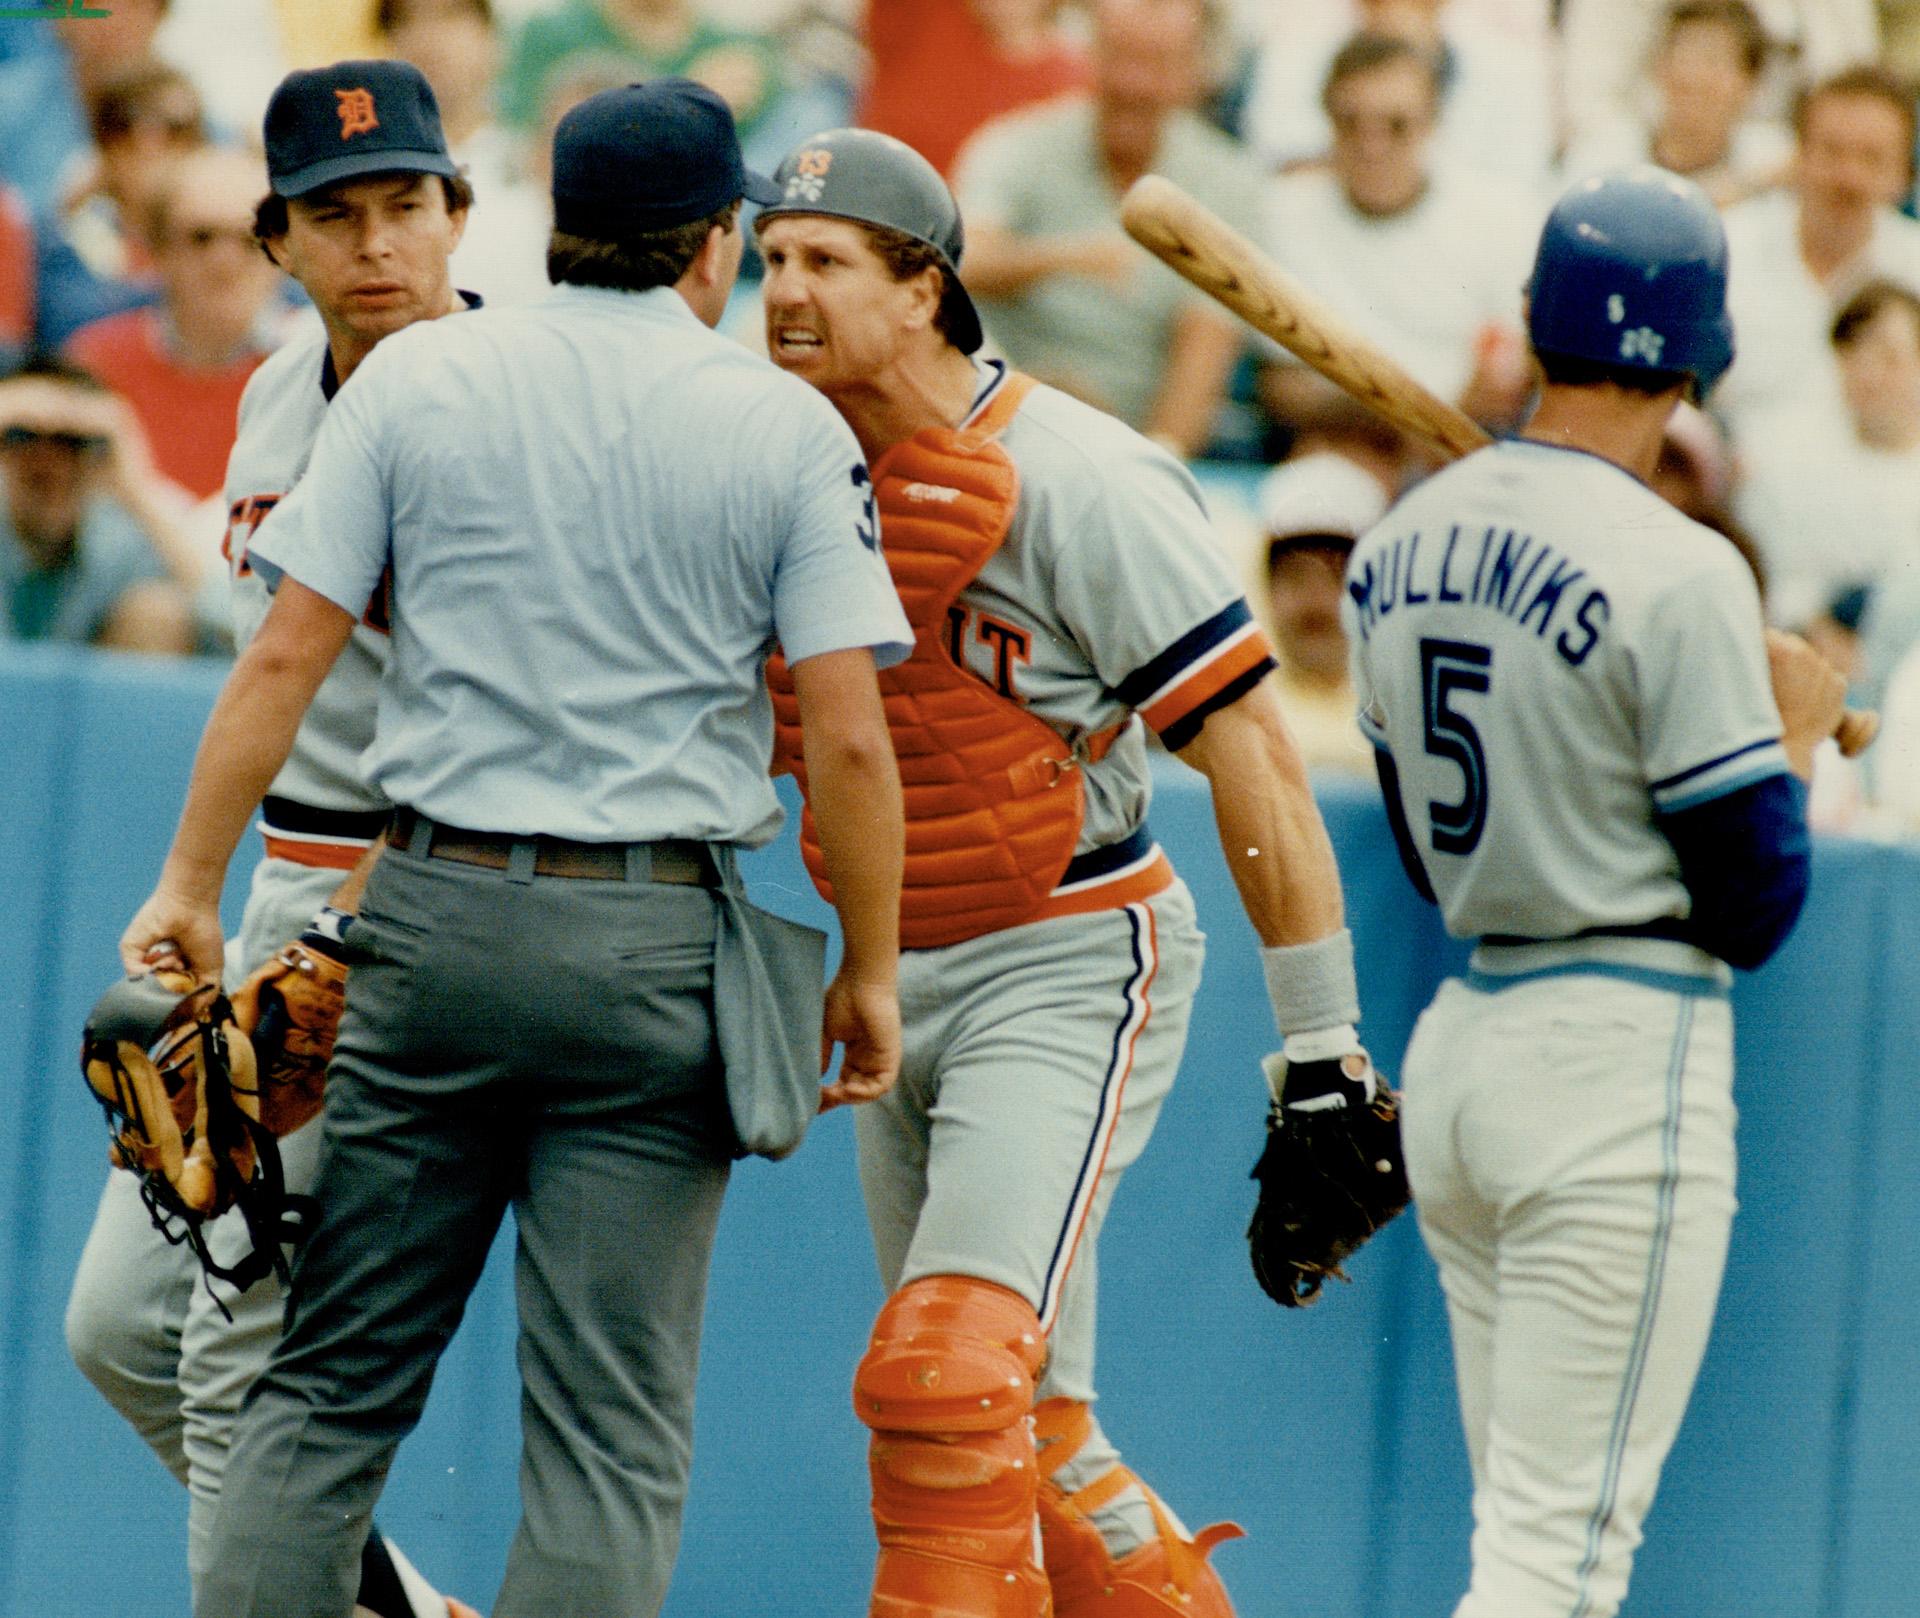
x=967 y=336
x=332 y=170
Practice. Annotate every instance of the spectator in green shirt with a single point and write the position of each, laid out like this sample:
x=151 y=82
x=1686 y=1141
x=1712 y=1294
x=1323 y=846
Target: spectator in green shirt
x=659 y=38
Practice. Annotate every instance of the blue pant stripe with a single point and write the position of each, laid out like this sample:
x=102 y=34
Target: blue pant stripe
x=1105 y=1120
x=1649 y=1307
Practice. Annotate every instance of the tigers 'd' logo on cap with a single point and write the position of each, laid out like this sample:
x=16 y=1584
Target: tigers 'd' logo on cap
x=357 y=116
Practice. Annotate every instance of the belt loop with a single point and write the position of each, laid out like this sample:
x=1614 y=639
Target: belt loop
x=639 y=862
x=419 y=832
x=725 y=866
x=520 y=859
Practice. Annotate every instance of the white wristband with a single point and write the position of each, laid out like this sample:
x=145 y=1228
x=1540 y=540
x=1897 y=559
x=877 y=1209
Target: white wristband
x=1312 y=985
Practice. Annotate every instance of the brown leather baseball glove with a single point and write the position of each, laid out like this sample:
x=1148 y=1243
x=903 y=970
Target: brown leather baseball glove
x=290 y=1009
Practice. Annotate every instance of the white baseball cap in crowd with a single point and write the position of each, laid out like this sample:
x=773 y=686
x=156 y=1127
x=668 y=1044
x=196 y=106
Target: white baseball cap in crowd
x=1320 y=494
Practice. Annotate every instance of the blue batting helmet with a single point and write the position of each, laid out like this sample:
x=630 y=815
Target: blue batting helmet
x=1632 y=275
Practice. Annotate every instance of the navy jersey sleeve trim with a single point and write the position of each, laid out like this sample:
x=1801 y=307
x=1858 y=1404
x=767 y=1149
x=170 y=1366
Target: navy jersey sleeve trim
x=1184 y=729
x=1667 y=782
x=1194 y=644
x=1745 y=859
x=1403 y=843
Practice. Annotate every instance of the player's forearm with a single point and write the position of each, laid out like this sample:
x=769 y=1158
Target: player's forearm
x=1002 y=263
x=1199 y=361
x=247 y=739
x=853 y=789
x=1270 y=828
x=148 y=507
x=250 y=733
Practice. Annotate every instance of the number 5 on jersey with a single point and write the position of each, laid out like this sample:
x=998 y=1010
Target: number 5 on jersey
x=1448 y=669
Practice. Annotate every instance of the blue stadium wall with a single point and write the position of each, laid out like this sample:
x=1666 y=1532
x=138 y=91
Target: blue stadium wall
x=1794 y=1491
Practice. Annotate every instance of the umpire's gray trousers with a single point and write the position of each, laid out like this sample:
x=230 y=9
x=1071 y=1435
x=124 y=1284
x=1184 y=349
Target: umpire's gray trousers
x=516 y=1040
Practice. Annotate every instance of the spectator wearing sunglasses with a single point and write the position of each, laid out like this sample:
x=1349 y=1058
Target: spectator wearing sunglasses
x=95 y=256
x=81 y=536
x=182 y=363
x=1423 y=256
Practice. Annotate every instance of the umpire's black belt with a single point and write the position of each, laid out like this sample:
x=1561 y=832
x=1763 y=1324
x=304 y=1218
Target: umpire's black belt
x=675 y=860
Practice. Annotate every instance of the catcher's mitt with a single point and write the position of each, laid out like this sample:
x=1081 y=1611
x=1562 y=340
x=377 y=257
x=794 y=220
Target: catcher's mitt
x=290 y=1010
x=175 y=1077
x=1331 y=1175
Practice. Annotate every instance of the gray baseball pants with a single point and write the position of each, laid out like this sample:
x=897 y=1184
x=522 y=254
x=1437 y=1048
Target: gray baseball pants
x=1570 y=1145
x=509 y=1040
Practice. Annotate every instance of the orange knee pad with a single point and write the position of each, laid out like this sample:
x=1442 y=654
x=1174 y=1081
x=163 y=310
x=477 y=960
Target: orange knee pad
x=1168 y=1574
x=946 y=1386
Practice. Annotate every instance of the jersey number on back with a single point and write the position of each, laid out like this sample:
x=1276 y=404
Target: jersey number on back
x=1449 y=668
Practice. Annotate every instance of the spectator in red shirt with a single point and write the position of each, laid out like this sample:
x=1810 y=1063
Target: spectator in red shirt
x=16 y=276
x=942 y=68
x=183 y=363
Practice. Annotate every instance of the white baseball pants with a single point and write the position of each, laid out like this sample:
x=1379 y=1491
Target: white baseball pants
x=1569 y=1139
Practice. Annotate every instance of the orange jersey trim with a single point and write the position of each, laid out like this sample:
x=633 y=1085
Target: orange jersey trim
x=1235 y=657
x=327 y=855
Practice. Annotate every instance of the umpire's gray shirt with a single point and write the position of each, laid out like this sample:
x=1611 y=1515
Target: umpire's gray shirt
x=599 y=515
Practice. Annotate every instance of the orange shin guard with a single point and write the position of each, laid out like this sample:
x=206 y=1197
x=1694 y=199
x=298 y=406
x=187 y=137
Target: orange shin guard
x=1168 y=1574
x=946 y=1386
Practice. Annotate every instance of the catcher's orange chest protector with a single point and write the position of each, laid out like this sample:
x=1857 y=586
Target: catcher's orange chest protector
x=993 y=794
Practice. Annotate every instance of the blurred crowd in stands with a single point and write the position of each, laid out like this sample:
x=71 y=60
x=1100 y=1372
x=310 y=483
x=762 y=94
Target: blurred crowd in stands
x=1396 y=155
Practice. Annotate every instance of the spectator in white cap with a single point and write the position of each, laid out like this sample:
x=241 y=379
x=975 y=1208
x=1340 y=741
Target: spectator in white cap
x=1312 y=510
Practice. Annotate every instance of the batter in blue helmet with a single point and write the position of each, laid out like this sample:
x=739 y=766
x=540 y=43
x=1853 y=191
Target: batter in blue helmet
x=1596 y=762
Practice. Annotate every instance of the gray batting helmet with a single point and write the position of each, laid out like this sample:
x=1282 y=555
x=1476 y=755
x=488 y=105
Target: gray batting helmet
x=873 y=179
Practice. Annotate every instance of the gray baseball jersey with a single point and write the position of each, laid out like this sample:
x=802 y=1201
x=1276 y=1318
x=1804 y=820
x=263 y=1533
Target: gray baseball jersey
x=1552 y=655
x=280 y=415
x=1109 y=597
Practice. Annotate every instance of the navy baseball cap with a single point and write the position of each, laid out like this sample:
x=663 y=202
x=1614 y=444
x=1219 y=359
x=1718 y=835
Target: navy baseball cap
x=353 y=118
x=647 y=157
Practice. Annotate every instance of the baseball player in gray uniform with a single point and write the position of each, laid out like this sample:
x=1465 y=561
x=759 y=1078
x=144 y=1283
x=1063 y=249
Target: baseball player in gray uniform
x=597 y=515
x=366 y=205
x=1597 y=764
x=1066 y=594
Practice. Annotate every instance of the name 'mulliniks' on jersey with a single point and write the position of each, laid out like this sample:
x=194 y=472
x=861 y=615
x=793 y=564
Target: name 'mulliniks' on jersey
x=1499 y=569
x=1551 y=658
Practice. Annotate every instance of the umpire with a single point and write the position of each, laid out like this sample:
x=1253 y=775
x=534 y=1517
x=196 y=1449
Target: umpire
x=589 y=517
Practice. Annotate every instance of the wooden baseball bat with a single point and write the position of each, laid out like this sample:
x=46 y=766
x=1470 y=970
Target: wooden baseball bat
x=1193 y=240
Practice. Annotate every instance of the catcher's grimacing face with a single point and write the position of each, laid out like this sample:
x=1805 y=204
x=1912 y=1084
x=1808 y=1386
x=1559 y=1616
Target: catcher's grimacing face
x=835 y=315
x=372 y=253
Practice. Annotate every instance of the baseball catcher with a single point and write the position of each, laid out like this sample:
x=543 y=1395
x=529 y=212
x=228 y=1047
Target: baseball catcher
x=1331 y=1174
